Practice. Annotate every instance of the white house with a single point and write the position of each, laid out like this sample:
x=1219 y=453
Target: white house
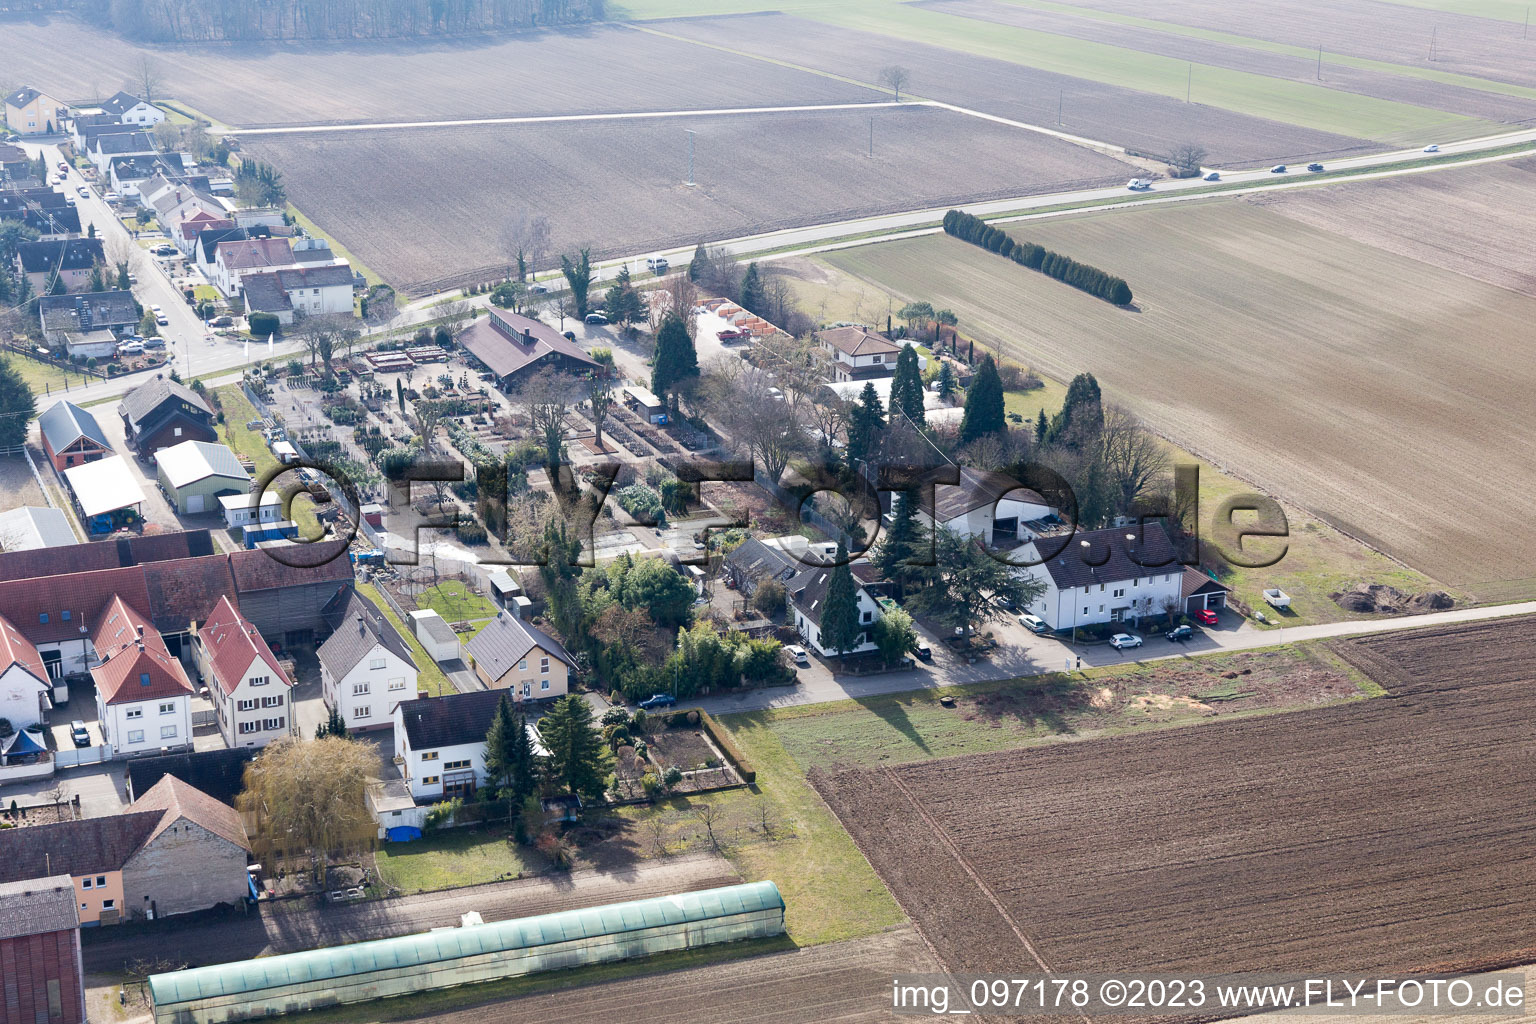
x=244 y=510
x=990 y=506
x=434 y=634
x=132 y=110
x=366 y=666
x=1122 y=574
x=143 y=697
x=24 y=683
x=252 y=695
x=100 y=150
x=440 y=742
x=857 y=352
x=310 y=291
x=233 y=260
x=807 y=594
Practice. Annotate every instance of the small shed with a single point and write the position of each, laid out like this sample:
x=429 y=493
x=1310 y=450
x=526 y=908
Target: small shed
x=504 y=588
x=437 y=637
x=256 y=533
x=392 y=806
x=285 y=452
x=646 y=404
x=373 y=515
x=561 y=808
x=247 y=509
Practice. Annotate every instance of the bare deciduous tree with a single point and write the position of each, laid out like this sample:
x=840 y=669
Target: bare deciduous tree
x=526 y=241
x=601 y=401
x=1187 y=158
x=147 y=78
x=546 y=398
x=895 y=78
x=455 y=313
x=1133 y=457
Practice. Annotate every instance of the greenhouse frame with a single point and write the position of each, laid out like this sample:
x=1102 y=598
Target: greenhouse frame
x=382 y=968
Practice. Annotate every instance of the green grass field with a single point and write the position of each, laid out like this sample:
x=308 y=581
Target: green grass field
x=454 y=857
x=49 y=383
x=238 y=411
x=428 y=676
x=1503 y=10
x=455 y=603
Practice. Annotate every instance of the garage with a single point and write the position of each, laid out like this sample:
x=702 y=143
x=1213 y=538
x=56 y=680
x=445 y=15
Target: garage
x=1201 y=591
x=195 y=474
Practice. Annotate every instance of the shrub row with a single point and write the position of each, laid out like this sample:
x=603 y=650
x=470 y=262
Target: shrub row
x=728 y=747
x=1081 y=276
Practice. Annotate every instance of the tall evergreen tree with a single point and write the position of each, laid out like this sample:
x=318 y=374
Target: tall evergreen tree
x=907 y=387
x=983 y=404
x=509 y=760
x=754 y=299
x=1081 y=418
x=840 y=626
x=865 y=422
x=333 y=725
x=676 y=358
x=578 y=757
x=903 y=541
x=946 y=381
x=1041 y=428
x=699 y=265
x=18 y=406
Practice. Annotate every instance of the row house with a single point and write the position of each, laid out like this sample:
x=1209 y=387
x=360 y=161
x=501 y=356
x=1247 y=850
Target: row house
x=143 y=696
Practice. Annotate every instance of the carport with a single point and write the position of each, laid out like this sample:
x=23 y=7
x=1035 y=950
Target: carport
x=1201 y=591
x=105 y=488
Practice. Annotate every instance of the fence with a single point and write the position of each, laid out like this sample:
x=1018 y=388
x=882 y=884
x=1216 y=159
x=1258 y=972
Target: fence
x=348 y=508
x=807 y=514
x=82 y=755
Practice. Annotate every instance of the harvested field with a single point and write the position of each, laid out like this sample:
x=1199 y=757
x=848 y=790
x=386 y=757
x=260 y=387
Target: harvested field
x=424 y=208
x=1319 y=368
x=848 y=982
x=1480 y=222
x=1142 y=122
x=1295 y=67
x=1394 y=32
x=1391 y=835
x=602 y=68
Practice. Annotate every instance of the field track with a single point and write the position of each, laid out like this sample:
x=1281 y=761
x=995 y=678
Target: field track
x=1392 y=835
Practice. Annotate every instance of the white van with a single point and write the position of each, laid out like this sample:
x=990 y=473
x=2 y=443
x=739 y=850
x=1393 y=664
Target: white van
x=657 y=265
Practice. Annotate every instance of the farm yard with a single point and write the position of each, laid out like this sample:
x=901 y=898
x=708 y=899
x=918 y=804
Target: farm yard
x=1479 y=222
x=754 y=173
x=1349 y=839
x=1314 y=366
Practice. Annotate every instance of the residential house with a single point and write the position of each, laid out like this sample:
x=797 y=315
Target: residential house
x=184 y=235
x=1120 y=574
x=44 y=974
x=114 y=311
x=132 y=110
x=30 y=112
x=126 y=173
x=195 y=474
x=310 y=291
x=41 y=195
x=515 y=347
x=50 y=222
x=206 y=246
x=807 y=594
x=510 y=654
x=173 y=851
x=179 y=202
x=69 y=260
x=753 y=562
x=235 y=259
x=366 y=667
x=160 y=413
x=143 y=696
x=440 y=742
x=858 y=353
x=71 y=436
x=252 y=694
x=270 y=217
x=993 y=507
x=24 y=684
x=31 y=527
x=88 y=345
x=80 y=124
x=101 y=149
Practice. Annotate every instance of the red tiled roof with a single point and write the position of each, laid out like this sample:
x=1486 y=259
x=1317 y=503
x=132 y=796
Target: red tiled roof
x=135 y=664
x=16 y=649
x=180 y=800
x=108 y=554
x=81 y=598
x=233 y=644
x=186 y=590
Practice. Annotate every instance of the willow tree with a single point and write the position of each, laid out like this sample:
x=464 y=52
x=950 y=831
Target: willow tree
x=306 y=799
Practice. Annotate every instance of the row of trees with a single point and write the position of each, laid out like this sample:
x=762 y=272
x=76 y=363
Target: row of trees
x=212 y=20
x=1081 y=276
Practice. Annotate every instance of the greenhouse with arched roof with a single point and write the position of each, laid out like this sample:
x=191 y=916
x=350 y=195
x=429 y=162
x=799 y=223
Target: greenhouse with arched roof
x=379 y=969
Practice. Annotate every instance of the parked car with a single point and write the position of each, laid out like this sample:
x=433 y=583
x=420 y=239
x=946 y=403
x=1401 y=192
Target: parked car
x=1431 y=148
x=799 y=655
x=1213 y=176
x=657 y=265
x=130 y=348
x=155 y=309
x=79 y=733
x=85 y=193
x=164 y=250
x=658 y=700
x=597 y=319
x=1179 y=634
x=923 y=651
x=538 y=289
x=163 y=320
x=63 y=165
x=1206 y=617
x=1314 y=167
x=1034 y=623
x=1124 y=641
x=1277 y=169
x=222 y=321
x=1007 y=604
x=156 y=342
x=1138 y=184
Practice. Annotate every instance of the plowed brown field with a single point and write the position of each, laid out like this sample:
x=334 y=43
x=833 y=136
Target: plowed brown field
x=1394 y=835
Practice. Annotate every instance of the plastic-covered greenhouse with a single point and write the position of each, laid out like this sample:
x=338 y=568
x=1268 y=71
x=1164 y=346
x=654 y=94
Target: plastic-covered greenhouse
x=294 y=982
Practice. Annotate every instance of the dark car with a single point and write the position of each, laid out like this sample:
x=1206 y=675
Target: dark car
x=1314 y=168
x=597 y=319
x=923 y=651
x=1179 y=634
x=659 y=700
x=1277 y=169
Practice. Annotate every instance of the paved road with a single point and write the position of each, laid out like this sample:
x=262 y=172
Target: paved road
x=286 y=926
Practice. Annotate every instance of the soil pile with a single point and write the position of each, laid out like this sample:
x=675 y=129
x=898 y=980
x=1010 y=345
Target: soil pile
x=1379 y=598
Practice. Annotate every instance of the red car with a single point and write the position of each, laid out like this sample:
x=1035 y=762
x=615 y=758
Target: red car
x=1206 y=616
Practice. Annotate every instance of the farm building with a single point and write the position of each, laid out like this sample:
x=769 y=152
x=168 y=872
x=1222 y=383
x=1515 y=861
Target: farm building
x=71 y=436
x=163 y=412
x=365 y=971
x=31 y=527
x=195 y=474
x=436 y=636
x=44 y=975
x=102 y=488
x=515 y=347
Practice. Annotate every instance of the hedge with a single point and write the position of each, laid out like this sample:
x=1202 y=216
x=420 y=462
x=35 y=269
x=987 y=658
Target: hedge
x=1081 y=276
x=721 y=738
x=263 y=324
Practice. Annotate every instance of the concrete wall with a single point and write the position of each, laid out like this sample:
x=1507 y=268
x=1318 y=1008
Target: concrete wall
x=183 y=869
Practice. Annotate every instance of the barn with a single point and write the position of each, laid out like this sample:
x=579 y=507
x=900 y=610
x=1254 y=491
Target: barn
x=365 y=971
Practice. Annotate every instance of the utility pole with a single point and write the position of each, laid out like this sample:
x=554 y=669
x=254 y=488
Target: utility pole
x=1189 y=85
x=1319 y=62
x=690 y=156
x=1061 y=99
x=1526 y=31
x=871 y=138
x=1432 y=32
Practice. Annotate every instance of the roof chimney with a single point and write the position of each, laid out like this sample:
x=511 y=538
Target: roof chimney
x=422 y=695
x=141 y=630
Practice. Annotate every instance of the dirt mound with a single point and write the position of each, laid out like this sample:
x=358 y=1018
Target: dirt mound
x=1379 y=598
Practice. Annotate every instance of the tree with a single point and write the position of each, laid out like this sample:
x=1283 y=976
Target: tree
x=147 y=78
x=509 y=758
x=840 y=628
x=754 y=296
x=17 y=406
x=904 y=540
x=946 y=381
x=895 y=78
x=676 y=359
x=916 y=315
x=167 y=136
x=578 y=274
x=894 y=635
x=307 y=802
x=601 y=400
x=259 y=184
x=623 y=304
x=578 y=758
x=527 y=241
x=1081 y=418
x=699 y=265
x=983 y=404
x=659 y=589
x=547 y=397
x=1133 y=457
x=1187 y=158
x=907 y=387
x=768 y=598
x=966 y=586
x=334 y=725
x=865 y=422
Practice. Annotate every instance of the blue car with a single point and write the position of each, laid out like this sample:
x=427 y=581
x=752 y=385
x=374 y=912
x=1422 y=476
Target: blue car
x=659 y=700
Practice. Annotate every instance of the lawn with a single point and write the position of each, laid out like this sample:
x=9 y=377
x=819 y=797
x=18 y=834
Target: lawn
x=238 y=412
x=453 y=857
x=428 y=676
x=453 y=601
x=49 y=383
